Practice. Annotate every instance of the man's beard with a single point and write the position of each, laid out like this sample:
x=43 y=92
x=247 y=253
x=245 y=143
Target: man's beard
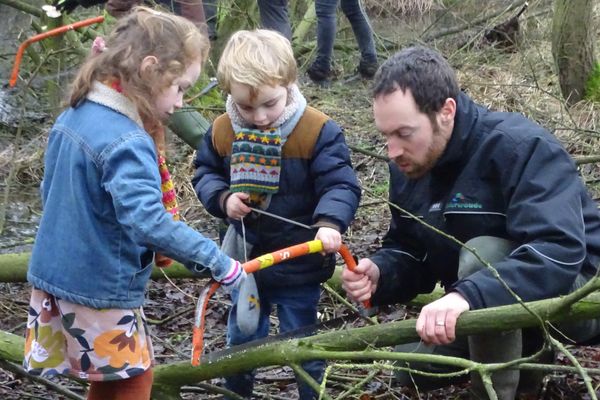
x=433 y=154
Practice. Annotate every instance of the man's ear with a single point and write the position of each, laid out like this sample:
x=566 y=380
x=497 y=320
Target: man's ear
x=447 y=112
x=148 y=64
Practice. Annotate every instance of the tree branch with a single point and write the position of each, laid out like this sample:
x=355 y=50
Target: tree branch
x=23 y=6
x=481 y=20
x=49 y=384
x=351 y=344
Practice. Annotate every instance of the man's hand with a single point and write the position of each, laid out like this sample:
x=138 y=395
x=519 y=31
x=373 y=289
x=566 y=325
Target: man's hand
x=235 y=206
x=361 y=283
x=331 y=239
x=437 y=322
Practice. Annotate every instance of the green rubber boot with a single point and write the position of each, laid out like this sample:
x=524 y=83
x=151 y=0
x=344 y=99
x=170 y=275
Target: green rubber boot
x=492 y=347
x=189 y=125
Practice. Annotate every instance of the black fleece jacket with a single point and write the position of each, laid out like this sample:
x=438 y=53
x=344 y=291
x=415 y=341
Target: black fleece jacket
x=501 y=175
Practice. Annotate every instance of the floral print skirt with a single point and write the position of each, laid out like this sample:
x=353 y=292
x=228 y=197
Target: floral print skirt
x=96 y=345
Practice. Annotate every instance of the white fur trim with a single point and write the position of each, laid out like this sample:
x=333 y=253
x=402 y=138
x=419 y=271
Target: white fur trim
x=110 y=98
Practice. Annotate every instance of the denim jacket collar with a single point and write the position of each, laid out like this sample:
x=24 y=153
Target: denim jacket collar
x=110 y=98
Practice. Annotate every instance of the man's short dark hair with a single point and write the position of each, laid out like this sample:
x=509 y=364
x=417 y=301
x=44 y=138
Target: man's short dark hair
x=424 y=71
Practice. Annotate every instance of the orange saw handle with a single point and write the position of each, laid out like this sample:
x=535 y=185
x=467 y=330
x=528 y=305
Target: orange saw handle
x=351 y=264
x=53 y=32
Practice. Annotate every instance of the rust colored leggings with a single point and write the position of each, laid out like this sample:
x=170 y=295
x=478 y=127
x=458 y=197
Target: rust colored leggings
x=136 y=388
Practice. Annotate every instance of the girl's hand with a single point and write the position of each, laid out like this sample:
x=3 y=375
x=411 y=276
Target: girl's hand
x=234 y=278
x=331 y=239
x=235 y=206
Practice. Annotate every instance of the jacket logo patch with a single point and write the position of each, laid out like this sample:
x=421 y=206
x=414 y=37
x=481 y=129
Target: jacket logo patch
x=435 y=207
x=460 y=201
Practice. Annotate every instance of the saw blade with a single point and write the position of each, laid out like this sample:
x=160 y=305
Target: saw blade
x=305 y=331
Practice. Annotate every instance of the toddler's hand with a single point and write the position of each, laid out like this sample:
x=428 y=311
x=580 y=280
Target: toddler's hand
x=235 y=206
x=234 y=278
x=331 y=239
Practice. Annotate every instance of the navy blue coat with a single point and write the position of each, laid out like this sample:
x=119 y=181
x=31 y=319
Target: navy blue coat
x=317 y=186
x=500 y=175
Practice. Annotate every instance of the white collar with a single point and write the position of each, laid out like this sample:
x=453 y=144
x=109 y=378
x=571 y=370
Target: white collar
x=102 y=94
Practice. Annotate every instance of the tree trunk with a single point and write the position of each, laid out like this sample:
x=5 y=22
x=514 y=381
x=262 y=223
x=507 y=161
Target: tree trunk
x=13 y=268
x=331 y=345
x=11 y=347
x=234 y=15
x=305 y=25
x=54 y=63
x=573 y=46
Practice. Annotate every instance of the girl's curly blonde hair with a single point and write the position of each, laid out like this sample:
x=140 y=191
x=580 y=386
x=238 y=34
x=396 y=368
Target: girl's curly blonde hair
x=173 y=40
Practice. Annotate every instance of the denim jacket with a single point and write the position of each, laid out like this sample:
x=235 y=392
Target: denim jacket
x=103 y=215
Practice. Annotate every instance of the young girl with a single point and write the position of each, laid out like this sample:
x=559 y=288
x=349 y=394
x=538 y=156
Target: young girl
x=104 y=216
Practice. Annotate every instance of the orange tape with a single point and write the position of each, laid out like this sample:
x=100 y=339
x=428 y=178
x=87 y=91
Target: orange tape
x=302 y=249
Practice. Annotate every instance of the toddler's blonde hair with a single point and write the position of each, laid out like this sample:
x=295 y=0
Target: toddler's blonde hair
x=256 y=58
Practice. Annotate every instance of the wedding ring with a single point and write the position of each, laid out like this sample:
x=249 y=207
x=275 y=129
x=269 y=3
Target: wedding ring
x=439 y=323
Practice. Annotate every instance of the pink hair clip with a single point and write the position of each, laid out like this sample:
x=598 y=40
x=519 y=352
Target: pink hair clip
x=98 y=46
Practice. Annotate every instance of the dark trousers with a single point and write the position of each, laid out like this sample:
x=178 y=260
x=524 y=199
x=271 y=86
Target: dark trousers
x=274 y=16
x=296 y=307
x=326 y=11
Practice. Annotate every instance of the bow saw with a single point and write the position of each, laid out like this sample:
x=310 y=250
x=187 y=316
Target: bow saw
x=256 y=264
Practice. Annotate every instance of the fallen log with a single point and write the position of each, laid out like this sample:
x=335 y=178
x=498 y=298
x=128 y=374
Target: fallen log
x=169 y=378
x=13 y=269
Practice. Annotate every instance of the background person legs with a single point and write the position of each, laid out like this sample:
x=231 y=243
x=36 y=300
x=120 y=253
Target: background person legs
x=363 y=32
x=319 y=70
x=274 y=16
x=210 y=10
x=326 y=30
